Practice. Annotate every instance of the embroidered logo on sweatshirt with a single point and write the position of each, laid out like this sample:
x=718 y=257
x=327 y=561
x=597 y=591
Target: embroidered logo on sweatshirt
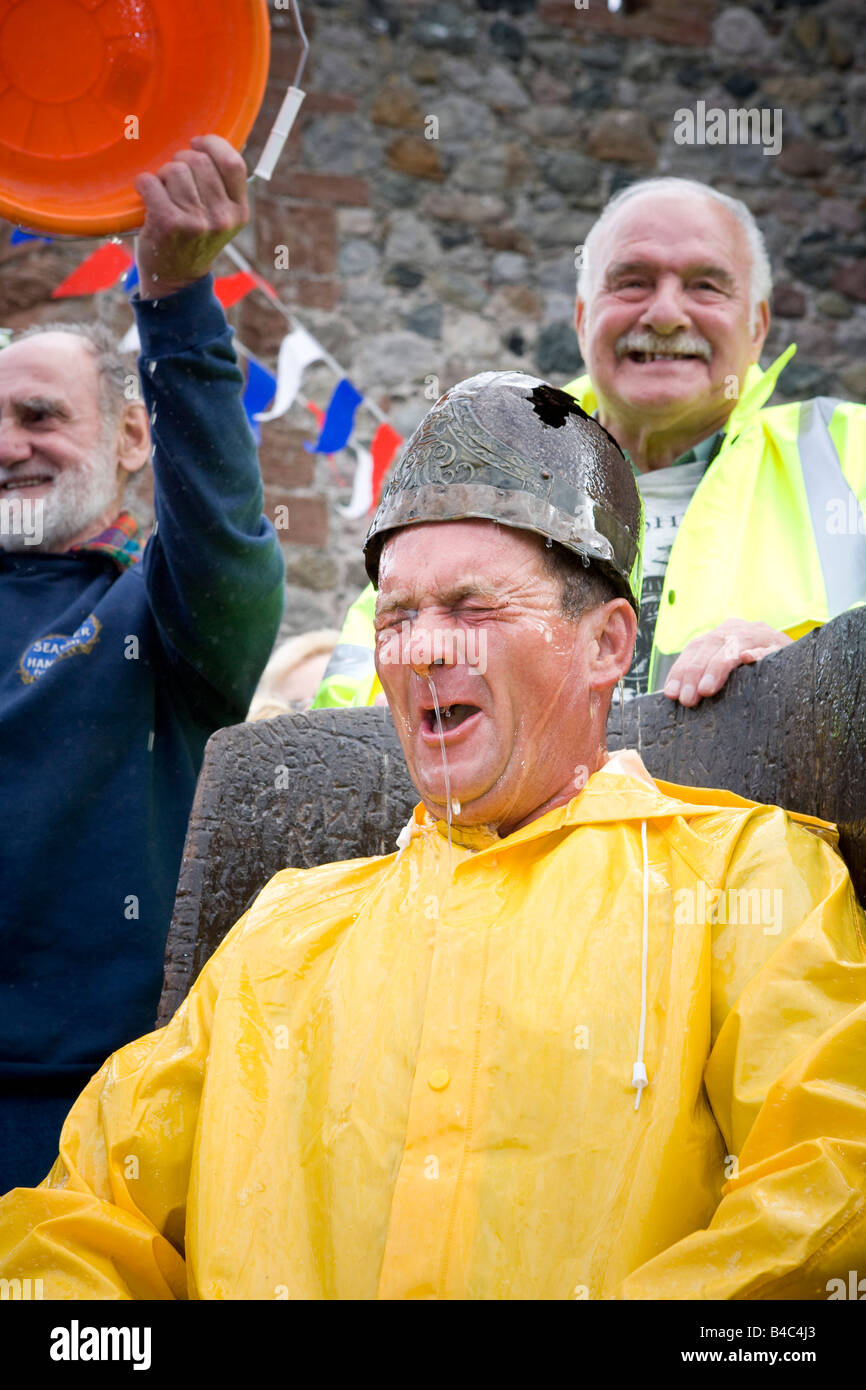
x=54 y=646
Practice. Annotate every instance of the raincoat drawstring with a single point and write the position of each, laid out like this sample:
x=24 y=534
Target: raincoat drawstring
x=638 y=1075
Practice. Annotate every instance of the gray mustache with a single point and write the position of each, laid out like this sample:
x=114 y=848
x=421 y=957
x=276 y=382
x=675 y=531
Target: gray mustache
x=682 y=344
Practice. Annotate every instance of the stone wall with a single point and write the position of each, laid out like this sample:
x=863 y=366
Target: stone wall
x=449 y=158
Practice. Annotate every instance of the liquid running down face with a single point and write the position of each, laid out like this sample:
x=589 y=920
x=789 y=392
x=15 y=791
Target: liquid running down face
x=501 y=468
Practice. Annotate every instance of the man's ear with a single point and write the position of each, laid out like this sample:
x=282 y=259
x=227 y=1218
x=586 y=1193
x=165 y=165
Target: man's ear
x=580 y=324
x=132 y=440
x=759 y=333
x=613 y=629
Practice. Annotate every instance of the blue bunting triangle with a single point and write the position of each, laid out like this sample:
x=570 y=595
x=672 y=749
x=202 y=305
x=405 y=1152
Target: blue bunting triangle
x=19 y=235
x=258 y=393
x=339 y=419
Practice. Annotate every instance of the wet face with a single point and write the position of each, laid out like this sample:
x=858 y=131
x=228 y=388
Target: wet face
x=53 y=448
x=668 y=323
x=519 y=686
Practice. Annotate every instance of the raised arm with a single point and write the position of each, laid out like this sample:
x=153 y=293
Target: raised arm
x=213 y=568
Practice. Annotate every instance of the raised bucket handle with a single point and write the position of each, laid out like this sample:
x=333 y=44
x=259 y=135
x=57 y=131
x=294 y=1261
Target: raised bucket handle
x=279 y=134
x=287 y=113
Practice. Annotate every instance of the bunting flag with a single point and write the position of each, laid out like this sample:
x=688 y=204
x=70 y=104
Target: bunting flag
x=297 y=350
x=130 y=342
x=362 y=486
x=102 y=269
x=229 y=289
x=258 y=393
x=318 y=415
x=386 y=442
x=111 y=263
x=339 y=419
x=19 y=235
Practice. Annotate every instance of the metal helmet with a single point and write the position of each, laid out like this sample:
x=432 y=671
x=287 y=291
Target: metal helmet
x=507 y=447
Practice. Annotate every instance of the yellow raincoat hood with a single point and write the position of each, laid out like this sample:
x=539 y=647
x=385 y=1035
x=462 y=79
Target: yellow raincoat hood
x=415 y=1076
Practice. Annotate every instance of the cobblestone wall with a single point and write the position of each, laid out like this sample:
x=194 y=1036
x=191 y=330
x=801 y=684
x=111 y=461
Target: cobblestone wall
x=448 y=160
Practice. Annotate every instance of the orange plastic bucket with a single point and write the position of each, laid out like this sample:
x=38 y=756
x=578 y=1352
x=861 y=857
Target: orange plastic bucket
x=94 y=92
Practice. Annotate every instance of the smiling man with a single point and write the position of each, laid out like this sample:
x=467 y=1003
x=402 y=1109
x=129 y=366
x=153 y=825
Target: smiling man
x=71 y=439
x=522 y=1057
x=745 y=550
x=672 y=312
x=755 y=515
x=118 y=660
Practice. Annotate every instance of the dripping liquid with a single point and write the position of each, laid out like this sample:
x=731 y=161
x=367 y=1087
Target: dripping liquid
x=448 y=803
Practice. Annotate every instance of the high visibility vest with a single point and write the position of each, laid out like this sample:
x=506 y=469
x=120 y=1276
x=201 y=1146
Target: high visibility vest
x=775 y=531
x=350 y=675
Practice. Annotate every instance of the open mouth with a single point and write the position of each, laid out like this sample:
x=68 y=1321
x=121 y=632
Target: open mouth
x=19 y=484
x=452 y=717
x=456 y=719
x=664 y=357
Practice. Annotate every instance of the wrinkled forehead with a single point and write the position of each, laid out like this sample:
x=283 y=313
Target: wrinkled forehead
x=62 y=362
x=675 y=228
x=448 y=558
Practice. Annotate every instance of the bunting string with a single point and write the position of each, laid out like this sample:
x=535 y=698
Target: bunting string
x=267 y=395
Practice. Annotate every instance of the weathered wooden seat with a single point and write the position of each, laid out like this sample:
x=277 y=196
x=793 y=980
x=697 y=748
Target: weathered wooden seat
x=332 y=784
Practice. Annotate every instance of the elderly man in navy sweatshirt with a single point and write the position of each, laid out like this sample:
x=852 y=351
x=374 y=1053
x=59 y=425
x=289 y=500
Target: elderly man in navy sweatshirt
x=116 y=665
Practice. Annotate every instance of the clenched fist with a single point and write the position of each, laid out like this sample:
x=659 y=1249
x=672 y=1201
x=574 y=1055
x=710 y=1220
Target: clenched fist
x=194 y=205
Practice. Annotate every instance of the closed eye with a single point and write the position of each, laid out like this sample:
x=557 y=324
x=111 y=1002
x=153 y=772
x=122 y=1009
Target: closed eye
x=38 y=412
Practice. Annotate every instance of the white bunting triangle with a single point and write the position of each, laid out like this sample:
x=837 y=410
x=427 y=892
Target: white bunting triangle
x=297 y=350
x=130 y=341
x=362 y=488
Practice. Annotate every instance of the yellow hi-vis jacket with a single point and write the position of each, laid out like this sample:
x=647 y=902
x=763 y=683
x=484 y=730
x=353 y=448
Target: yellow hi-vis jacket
x=350 y=676
x=775 y=533
x=405 y=1077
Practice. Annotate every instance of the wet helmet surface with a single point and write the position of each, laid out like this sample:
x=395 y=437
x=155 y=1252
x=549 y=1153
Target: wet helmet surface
x=507 y=447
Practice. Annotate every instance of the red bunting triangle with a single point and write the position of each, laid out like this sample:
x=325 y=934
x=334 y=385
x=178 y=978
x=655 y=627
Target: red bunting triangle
x=319 y=416
x=102 y=269
x=230 y=288
x=386 y=442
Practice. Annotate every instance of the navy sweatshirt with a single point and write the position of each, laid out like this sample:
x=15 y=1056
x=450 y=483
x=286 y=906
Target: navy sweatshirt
x=99 y=755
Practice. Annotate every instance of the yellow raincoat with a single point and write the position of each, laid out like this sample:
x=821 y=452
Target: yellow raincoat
x=394 y=1082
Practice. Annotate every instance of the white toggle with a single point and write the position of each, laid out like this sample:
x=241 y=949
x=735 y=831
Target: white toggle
x=638 y=1080
x=279 y=133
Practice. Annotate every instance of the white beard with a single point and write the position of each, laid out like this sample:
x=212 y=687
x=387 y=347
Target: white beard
x=77 y=499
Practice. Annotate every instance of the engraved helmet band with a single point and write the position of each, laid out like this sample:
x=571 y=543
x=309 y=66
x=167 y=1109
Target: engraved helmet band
x=507 y=447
